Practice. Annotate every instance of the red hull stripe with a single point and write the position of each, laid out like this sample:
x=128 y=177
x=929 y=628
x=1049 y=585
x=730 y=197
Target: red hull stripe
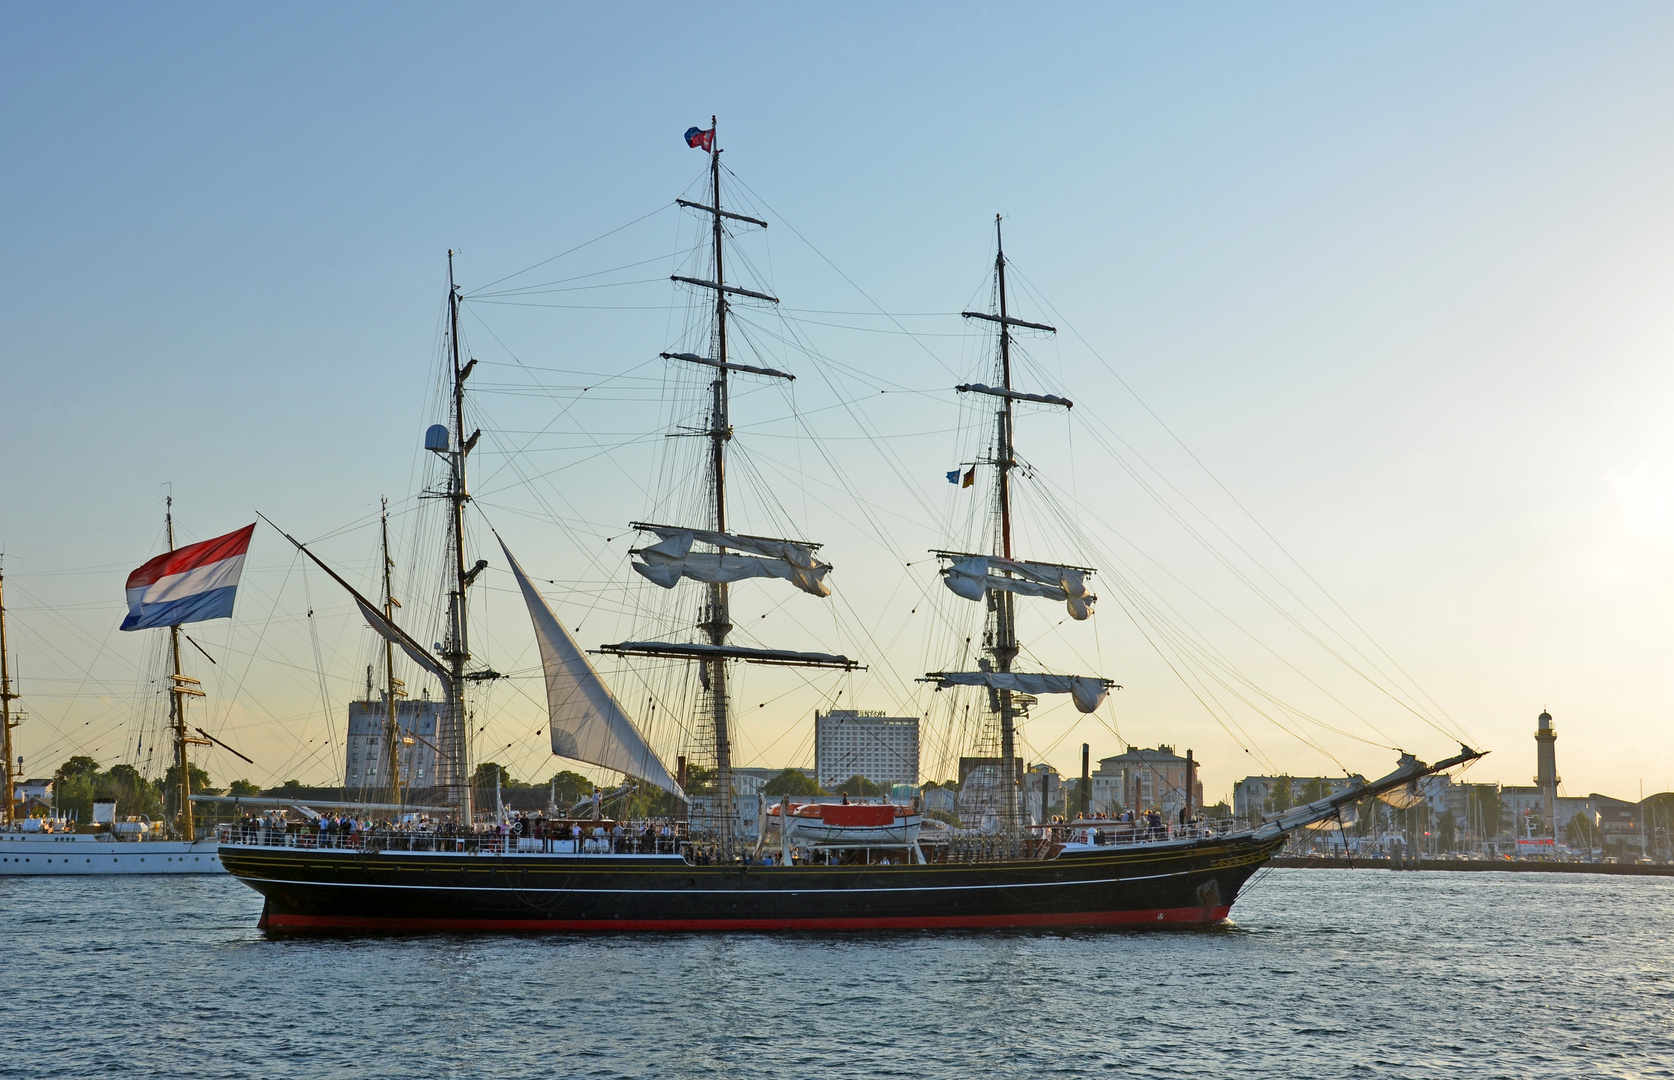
x=1191 y=916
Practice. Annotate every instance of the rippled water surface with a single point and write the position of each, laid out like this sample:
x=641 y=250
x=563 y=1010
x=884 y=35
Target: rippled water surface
x=1324 y=973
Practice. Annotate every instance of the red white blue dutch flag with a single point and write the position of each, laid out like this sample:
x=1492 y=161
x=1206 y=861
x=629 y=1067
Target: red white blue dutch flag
x=188 y=584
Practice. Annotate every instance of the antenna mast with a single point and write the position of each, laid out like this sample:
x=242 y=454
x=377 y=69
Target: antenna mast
x=6 y=699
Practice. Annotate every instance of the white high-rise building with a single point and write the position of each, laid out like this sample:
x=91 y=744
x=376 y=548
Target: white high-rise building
x=853 y=742
x=366 y=765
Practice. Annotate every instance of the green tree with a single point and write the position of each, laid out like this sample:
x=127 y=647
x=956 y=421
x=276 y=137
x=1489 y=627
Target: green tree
x=858 y=785
x=1581 y=833
x=569 y=788
x=134 y=794
x=72 y=789
x=243 y=788
x=647 y=801
x=290 y=789
x=1281 y=795
x=1219 y=812
x=199 y=778
x=1484 y=811
x=700 y=780
x=483 y=777
x=78 y=767
x=1314 y=789
x=792 y=782
x=1447 y=827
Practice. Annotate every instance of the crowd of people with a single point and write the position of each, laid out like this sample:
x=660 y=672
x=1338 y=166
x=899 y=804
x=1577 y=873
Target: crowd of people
x=521 y=832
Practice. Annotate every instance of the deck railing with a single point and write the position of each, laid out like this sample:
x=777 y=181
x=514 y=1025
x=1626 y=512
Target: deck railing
x=1120 y=833
x=429 y=840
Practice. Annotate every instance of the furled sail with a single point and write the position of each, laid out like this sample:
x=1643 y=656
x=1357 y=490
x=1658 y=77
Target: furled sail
x=974 y=575
x=587 y=722
x=672 y=558
x=375 y=618
x=1089 y=692
x=400 y=639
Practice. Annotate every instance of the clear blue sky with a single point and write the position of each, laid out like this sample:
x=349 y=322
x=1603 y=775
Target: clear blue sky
x=1398 y=275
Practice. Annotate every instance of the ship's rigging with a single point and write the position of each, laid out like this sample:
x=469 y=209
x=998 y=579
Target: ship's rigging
x=744 y=341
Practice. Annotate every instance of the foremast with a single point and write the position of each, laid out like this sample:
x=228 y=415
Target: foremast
x=456 y=650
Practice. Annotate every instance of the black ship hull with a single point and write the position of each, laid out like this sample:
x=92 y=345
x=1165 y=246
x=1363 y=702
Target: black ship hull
x=348 y=891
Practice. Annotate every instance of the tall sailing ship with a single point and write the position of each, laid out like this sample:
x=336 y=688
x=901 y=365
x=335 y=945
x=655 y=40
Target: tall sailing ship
x=183 y=585
x=859 y=871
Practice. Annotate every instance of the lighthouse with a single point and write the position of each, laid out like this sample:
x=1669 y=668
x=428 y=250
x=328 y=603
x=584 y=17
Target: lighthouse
x=1546 y=777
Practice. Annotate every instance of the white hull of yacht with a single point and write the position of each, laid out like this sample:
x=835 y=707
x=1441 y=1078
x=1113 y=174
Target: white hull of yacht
x=40 y=854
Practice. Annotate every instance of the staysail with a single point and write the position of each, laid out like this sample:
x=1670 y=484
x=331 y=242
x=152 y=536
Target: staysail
x=1087 y=691
x=587 y=722
x=672 y=558
x=972 y=576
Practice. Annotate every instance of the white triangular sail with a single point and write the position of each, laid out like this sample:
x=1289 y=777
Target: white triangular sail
x=1089 y=692
x=974 y=575
x=587 y=722
x=672 y=558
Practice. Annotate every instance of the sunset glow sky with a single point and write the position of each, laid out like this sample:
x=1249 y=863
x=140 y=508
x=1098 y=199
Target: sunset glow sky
x=1399 y=277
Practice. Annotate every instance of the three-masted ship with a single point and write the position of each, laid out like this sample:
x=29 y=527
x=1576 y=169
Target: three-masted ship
x=712 y=876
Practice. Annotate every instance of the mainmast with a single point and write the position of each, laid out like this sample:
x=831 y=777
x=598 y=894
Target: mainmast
x=181 y=687
x=6 y=699
x=717 y=621
x=457 y=649
x=393 y=687
x=736 y=556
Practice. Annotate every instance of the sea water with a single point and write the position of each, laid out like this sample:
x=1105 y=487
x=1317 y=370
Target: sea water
x=1321 y=973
